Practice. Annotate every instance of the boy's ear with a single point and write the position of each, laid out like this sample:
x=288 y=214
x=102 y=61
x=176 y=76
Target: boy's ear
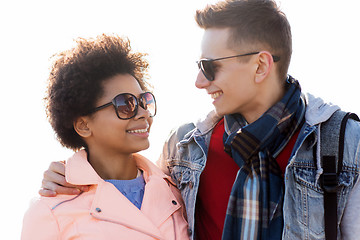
x=265 y=64
x=81 y=127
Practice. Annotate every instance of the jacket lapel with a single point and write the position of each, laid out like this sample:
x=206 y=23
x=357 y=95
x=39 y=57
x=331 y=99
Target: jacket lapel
x=159 y=202
x=110 y=205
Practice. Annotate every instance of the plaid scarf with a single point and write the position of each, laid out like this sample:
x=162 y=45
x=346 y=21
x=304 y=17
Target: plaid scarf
x=255 y=205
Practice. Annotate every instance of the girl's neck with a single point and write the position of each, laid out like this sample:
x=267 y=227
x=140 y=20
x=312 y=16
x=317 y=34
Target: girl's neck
x=113 y=165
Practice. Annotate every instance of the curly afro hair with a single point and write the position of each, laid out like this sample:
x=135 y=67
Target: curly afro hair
x=76 y=79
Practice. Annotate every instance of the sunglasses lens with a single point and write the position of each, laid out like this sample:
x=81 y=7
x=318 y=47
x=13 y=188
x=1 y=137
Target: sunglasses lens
x=126 y=106
x=148 y=103
x=207 y=69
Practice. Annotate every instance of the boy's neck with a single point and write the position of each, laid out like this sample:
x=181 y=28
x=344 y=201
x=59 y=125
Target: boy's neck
x=268 y=95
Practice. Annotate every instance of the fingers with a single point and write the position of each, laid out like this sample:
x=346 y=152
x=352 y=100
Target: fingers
x=50 y=189
x=54 y=182
x=57 y=189
x=52 y=179
x=58 y=167
x=59 y=186
x=47 y=193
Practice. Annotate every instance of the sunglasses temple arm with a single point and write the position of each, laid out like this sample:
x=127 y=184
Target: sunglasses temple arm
x=101 y=107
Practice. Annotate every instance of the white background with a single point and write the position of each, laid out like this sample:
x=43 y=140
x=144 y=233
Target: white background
x=325 y=60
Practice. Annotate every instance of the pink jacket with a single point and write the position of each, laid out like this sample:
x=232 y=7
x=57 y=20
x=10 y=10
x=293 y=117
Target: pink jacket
x=104 y=213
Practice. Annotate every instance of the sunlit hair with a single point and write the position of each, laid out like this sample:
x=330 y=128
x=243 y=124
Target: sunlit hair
x=255 y=25
x=77 y=77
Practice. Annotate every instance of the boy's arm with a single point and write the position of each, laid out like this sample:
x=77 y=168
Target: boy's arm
x=351 y=221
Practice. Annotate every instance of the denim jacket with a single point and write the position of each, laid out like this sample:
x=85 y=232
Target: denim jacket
x=184 y=158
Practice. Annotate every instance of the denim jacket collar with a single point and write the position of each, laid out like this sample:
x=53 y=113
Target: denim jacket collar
x=207 y=124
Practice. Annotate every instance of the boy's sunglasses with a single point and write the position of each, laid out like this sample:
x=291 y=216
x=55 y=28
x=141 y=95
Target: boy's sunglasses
x=207 y=66
x=126 y=105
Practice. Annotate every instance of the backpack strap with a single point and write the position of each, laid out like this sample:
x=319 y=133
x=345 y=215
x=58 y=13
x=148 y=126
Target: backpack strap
x=332 y=151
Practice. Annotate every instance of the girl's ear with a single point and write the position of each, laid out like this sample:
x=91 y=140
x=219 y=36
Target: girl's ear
x=81 y=127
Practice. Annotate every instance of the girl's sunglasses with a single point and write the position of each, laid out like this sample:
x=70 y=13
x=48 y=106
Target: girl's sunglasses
x=208 y=69
x=126 y=105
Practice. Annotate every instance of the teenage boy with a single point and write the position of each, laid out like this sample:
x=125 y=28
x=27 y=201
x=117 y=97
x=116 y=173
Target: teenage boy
x=266 y=184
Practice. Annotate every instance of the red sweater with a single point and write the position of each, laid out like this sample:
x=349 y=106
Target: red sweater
x=216 y=182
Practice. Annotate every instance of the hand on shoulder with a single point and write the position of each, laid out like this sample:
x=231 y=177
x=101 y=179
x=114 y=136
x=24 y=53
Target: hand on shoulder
x=54 y=182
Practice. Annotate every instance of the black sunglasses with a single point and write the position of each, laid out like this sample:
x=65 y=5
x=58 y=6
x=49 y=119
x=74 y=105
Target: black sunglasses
x=207 y=66
x=126 y=105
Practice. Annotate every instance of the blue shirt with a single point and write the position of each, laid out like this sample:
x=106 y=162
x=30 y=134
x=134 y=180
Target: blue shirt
x=132 y=189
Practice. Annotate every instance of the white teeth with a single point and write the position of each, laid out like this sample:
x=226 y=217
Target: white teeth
x=138 y=131
x=216 y=95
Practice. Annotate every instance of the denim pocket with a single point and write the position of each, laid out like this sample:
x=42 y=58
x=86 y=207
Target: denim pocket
x=310 y=198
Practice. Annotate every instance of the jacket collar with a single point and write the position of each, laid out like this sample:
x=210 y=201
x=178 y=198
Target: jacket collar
x=208 y=123
x=110 y=205
x=78 y=170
